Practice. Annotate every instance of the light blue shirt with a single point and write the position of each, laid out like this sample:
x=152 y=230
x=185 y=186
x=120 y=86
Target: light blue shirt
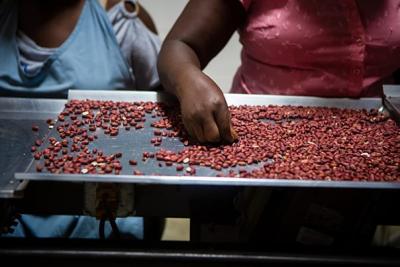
x=94 y=56
x=91 y=58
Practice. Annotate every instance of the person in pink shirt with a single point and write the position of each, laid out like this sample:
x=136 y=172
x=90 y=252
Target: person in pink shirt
x=325 y=48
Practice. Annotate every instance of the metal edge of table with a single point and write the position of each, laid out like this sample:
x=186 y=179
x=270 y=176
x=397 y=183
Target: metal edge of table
x=232 y=99
x=206 y=181
x=199 y=257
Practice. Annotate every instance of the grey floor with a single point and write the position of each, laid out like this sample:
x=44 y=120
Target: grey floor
x=223 y=67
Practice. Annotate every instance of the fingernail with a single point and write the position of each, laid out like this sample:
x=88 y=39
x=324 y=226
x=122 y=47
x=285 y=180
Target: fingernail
x=234 y=135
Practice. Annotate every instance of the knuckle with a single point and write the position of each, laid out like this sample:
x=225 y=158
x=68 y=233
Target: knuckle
x=192 y=115
x=218 y=102
x=213 y=137
x=200 y=139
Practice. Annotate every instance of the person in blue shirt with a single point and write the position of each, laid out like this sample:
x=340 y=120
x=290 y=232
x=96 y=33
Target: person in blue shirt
x=48 y=47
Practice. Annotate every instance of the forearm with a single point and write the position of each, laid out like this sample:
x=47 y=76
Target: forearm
x=204 y=110
x=176 y=64
x=201 y=31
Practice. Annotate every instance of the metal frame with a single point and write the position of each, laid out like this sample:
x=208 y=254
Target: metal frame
x=182 y=254
x=212 y=181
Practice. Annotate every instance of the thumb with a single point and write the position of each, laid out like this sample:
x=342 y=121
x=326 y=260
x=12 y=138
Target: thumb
x=234 y=135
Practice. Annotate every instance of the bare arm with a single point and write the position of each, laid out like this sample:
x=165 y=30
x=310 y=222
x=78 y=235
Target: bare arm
x=201 y=31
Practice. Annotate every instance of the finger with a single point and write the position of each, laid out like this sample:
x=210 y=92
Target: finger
x=194 y=129
x=234 y=135
x=189 y=129
x=223 y=120
x=198 y=130
x=210 y=130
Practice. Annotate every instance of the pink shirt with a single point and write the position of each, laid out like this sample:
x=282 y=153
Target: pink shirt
x=342 y=48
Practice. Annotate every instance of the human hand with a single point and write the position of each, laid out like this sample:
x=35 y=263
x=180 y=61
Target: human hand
x=204 y=110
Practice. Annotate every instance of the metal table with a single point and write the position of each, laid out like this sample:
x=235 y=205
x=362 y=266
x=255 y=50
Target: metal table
x=203 y=197
x=133 y=143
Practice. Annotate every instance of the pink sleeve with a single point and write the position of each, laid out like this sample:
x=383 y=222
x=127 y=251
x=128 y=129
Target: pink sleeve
x=245 y=3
